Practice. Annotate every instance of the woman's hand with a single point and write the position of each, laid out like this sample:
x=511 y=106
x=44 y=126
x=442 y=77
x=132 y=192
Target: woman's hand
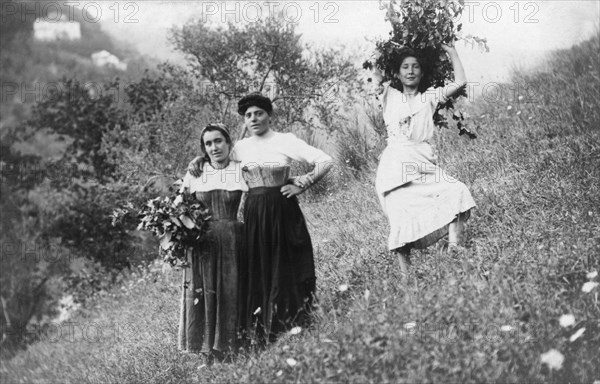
x=448 y=47
x=195 y=167
x=303 y=181
x=290 y=190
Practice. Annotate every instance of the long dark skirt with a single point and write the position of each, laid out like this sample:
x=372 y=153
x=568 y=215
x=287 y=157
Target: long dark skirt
x=277 y=270
x=209 y=298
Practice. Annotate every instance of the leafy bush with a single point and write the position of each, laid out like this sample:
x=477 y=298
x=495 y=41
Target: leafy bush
x=72 y=111
x=81 y=218
x=360 y=142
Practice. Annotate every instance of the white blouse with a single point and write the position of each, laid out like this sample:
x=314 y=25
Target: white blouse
x=406 y=122
x=275 y=149
x=228 y=179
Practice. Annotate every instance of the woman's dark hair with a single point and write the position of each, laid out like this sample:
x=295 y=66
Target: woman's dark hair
x=255 y=100
x=214 y=127
x=398 y=57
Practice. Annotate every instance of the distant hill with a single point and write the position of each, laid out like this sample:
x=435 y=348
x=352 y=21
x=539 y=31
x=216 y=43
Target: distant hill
x=30 y=67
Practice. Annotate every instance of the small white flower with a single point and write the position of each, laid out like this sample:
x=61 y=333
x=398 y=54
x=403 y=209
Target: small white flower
x=576 y=335
x=566 y=320
x=518 y=113
x=279 y=373
x=509 y=108
x=291 y=362
x=196 y=301
x=506 y=328
x=410 y=325
x=520 y=97
x=257 y=311
x=588 y=286
x=343 y=287
x=591 y=275
x=295 y=331
x=553 y=358
x=66 y=301
x=178 y=200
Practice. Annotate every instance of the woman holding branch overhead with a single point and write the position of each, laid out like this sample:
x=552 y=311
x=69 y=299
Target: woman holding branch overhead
x=421 y=201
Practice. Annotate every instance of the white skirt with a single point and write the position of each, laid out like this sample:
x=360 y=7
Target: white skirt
x=417 y=196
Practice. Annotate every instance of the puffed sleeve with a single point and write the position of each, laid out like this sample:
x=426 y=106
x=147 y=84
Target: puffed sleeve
x=299 y=150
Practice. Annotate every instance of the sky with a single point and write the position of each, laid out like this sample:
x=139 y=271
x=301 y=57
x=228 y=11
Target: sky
x=519 y=33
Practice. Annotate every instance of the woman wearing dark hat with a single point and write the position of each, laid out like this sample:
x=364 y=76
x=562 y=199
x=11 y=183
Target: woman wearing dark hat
x=209 y=303
x=277 y=271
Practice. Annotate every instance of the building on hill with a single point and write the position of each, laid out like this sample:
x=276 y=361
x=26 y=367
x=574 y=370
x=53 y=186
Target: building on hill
x=106 y=59
x=52 y=29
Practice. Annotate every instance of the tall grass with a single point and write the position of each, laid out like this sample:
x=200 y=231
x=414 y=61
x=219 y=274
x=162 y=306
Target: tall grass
x=485 y=315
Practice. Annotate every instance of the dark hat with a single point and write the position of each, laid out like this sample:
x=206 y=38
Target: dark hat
x=255 y=100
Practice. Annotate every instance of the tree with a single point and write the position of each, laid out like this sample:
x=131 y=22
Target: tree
x=71 y=110
x=265 y=56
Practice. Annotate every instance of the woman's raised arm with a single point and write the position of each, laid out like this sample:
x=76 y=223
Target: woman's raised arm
x=460 y=79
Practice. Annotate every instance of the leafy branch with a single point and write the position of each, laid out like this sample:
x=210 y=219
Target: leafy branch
x=425 y=26
x=179 y=221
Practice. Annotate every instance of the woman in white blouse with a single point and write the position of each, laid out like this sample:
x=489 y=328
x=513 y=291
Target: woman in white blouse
x=277 y=271
x=422 y=202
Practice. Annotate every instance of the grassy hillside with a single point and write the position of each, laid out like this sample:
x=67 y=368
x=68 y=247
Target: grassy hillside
x=486 y=315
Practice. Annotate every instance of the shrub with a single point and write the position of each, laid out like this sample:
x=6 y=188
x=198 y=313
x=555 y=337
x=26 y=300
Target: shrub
x=360 y=143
